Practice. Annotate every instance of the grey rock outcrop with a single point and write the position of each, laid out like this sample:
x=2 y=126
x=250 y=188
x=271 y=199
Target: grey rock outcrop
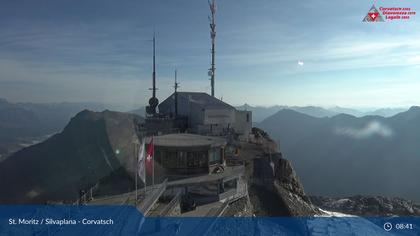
x=290 y=190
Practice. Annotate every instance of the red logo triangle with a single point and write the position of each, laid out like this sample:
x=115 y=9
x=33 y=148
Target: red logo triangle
x=373 y=15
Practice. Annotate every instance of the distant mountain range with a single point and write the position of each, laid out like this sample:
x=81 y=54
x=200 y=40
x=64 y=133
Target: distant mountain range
x=346 y=155
x=91 y=147
x=35 y=119
x=260 y=112
x=23 y=124
x=23 y=120
x=140 y=111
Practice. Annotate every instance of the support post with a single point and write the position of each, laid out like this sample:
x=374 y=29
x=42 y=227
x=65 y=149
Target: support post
x=137 y=170
x=153 y=158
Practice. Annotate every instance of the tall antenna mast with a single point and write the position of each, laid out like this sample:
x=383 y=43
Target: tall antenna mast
x=212 y=5
x=176 y=86
x=153 y=101
x=154 y=66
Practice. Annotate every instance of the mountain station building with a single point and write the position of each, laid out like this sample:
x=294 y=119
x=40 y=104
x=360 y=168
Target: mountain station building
x=207 y=115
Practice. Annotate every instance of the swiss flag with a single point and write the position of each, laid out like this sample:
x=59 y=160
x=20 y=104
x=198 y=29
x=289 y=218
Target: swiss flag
x=149 y=157
x=373 y=15
x=141 y=160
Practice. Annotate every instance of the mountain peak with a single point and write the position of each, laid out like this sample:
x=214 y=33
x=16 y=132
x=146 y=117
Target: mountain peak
x=287 y=113
x=91 y=139
x=412 y=113
x=87 y=115
x=414 y=109
x=94 y=116
x=343 y=116
x=290 y=111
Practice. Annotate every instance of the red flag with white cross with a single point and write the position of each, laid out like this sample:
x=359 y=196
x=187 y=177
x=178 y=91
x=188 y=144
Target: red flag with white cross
x=149 y=157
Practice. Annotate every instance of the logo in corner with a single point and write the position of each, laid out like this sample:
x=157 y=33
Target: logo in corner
x=373 y=15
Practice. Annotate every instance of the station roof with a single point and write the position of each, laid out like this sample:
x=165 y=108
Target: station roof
x=199 y=98
x=187 y=140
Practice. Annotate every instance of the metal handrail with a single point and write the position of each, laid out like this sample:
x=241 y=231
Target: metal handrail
x=148 y=203
x=171 y=205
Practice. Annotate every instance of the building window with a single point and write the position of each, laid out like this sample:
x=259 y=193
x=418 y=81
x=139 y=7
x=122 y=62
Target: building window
x=169 y=160
x=214 y=155
x=191 y=163
x=203 y=159
x=182 y=159
x=247 y=117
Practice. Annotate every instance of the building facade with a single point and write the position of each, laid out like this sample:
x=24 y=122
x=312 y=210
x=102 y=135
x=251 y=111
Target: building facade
x=207 y=115
x=180 y=155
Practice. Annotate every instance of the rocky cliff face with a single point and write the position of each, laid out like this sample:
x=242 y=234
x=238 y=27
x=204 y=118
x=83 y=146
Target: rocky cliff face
x=91 y=147
x=274 y=188
x=291 y=191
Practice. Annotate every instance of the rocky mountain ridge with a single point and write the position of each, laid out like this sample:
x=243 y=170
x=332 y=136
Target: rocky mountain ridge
x=91 y=147
x=260 y=112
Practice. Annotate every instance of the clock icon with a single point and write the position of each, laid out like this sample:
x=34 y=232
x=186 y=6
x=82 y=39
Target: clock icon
x=387 y=226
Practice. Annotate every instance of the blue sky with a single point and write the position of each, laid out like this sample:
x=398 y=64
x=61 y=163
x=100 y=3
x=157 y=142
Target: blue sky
x=100 y=51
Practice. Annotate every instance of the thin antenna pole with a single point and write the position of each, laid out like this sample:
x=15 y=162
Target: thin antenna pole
x=153 y=101
x=153 y=159
x=176 y=86
x=154 y=66
x=176 y=82
x=212 y=5
x=137 y=171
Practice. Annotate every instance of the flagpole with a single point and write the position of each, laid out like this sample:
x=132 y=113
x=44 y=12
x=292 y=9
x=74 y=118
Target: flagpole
x=144 y=164
x=153 y=158
x=137 y=172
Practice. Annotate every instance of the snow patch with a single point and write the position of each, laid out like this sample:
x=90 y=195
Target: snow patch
x=333 y=214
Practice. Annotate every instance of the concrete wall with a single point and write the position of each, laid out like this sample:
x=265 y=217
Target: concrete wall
x=194 y=112
x=243 y=124
x=219 y=116
x=159 y=126
x=195 y=115
x=201 y=119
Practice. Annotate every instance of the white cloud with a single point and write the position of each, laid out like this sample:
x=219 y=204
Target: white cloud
x=370 y=129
